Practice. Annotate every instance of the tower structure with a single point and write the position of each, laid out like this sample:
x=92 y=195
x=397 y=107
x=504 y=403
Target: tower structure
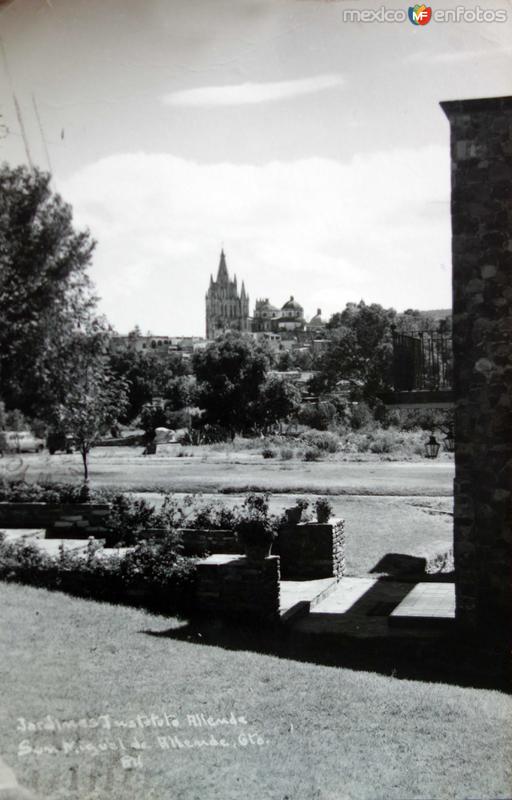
x=226 y=309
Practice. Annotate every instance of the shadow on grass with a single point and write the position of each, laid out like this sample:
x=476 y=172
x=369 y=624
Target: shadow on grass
x=442 y=659
x=437 y=655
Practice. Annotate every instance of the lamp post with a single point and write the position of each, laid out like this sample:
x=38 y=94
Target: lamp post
x=449 y=440
x=432 y=447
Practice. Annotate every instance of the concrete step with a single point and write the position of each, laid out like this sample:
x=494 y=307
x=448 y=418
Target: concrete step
x=428 y=604
x=297 y=598
x=368 y=608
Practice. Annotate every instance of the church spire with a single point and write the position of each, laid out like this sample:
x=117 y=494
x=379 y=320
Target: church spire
x=222 y=274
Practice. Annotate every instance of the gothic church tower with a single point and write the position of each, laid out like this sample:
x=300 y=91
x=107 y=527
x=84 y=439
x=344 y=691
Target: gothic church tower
x=226 y=310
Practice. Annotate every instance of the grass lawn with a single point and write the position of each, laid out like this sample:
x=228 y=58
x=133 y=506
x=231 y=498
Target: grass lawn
x=324 y=733
x=125 y=468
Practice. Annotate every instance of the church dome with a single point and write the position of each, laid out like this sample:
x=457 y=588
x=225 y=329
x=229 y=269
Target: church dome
x=292 y=305
x=317 y=321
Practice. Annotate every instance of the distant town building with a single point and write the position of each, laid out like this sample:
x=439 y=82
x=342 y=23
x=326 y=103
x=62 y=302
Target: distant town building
x=282 y=328
x=226 y=309
x=159 y=345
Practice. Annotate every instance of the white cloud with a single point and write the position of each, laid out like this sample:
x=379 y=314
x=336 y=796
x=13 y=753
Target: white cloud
x=250 y=93
x=458 y=56
x=376 y=227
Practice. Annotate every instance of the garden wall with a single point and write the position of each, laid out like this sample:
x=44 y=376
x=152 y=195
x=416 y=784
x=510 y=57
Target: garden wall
x=75 y=520
x=199 y=542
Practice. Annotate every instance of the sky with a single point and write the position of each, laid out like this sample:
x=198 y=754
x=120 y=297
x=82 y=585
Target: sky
x=310 y=147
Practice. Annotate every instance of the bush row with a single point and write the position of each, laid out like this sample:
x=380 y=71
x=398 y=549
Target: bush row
x=153 y=574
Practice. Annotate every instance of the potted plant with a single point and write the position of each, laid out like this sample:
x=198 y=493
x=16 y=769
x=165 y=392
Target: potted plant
x=323 y=510
x=294 y=514
x=256 y=534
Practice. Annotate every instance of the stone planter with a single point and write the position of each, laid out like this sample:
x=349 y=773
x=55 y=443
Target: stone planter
x=257 y=553
x=293 y=515
x=238 y=589
x=312 y=550
x=255 y=540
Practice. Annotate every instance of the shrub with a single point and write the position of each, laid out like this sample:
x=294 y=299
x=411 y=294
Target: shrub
x=268 y=453
x=312 y=454
x=128 y=519
x=286 y=453
x=21 y=492
x=322 y=440
x=157 y=569
x=256 y=502
x=323 y=509
x=211 y=516
x=360 y=416
x=254 y=525
x=384 y=442
x=318 y=416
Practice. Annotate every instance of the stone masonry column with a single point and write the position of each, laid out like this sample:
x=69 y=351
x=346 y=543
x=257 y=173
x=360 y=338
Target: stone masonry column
x=481 y=210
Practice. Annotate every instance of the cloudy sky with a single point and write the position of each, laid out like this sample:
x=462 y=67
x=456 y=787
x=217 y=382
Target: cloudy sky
x=311 y=148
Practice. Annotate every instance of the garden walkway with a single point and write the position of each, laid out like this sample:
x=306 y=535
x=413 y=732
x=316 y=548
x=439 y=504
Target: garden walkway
x=368 y=607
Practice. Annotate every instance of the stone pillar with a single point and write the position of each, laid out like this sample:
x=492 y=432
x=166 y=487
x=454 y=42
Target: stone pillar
x=481 y=208
x=312 y=550
x=231 y=586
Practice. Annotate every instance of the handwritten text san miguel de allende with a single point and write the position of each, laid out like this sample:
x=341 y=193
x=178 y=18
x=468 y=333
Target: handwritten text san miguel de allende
x=128 y=737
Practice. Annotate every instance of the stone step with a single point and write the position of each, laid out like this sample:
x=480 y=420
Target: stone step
x=428 y=604
x=369 y=608
x=297 y=598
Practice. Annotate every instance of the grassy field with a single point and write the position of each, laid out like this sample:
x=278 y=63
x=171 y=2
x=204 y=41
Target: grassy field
x=309 y=731
x=213 y=471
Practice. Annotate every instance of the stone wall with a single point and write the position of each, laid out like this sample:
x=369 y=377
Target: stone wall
x=233 y=587
x=481 y=207
x=199 y=542
x=312 y=550
x=72 y=520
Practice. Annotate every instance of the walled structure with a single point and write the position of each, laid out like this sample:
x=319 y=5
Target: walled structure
x=236 y=588
x=481 y=208
x=311 y=550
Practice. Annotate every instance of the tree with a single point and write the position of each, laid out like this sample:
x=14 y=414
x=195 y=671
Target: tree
x=148 y=375
x=360 y=351
x=278 y=400
x=45 y=293
x=180 y=392
x=94 y=397
x=230 y=373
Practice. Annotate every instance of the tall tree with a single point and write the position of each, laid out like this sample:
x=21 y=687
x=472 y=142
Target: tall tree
x=94 y=396
x=278 y=400
x=230 y=374
x=148 y=375
x=45 y=293
x=360 y=351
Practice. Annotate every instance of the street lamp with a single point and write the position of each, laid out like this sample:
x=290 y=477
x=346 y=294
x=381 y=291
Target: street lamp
x=449 y=440
x=432 y=447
